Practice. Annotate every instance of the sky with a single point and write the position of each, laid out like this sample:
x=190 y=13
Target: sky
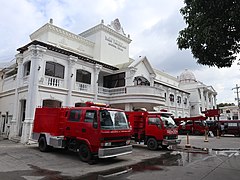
x=153 y=26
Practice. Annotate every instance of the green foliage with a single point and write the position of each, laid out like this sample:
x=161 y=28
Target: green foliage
x=212 y=32
x=225 y=104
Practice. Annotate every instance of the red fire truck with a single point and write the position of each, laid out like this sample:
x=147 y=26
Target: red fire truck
x=192 y=125
x=94 y=130
x=153 y=128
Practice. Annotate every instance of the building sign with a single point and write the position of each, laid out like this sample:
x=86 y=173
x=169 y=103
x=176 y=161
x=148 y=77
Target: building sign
x=115 y=43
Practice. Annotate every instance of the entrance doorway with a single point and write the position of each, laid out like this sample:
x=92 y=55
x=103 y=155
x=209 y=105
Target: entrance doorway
x=5 y=124
x=22 y=116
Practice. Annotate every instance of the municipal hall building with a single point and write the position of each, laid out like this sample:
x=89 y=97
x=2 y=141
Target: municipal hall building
x=58 y=68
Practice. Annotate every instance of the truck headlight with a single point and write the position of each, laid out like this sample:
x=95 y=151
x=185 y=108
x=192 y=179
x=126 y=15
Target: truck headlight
x=106 y=144
x=128 y=142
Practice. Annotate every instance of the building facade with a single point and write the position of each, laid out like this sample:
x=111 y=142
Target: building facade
x=202 y=97
x=229 y=113
x=58 y=68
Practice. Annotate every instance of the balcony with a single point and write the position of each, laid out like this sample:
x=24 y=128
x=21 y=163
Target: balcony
x=144 y=96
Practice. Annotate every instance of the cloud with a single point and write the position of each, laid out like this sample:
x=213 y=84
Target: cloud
x=153 y=26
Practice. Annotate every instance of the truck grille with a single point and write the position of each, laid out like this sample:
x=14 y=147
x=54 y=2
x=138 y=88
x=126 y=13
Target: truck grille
x=170 y=137
x=115 y=138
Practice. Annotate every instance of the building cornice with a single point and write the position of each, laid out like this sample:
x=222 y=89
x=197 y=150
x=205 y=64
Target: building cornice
x=102 y=27
x=65 y=52
x=64 y=33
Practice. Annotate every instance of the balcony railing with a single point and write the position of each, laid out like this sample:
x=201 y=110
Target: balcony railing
x=83 y=87
x=54 y=82
x=111 y=91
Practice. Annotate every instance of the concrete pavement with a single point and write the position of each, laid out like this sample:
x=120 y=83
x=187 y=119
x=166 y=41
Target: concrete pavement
x=216 y=158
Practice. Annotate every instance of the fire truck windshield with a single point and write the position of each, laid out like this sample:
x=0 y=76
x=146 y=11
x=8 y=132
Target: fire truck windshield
x=113 y=120
x=167 y=120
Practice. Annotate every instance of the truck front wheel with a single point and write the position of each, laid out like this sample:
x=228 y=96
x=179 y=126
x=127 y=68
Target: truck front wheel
x=152 y=144
x=84 y=153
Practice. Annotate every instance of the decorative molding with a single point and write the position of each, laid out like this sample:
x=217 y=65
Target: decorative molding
x=107 y=29
x=65 y=34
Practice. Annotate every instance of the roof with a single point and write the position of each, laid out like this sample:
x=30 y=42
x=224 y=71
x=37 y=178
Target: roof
x=66 y=52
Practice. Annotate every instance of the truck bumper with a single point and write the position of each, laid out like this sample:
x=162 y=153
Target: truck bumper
x=171 y=142
x=116 y=151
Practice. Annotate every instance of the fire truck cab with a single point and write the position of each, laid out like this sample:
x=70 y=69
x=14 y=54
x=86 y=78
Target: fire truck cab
x=95 y=130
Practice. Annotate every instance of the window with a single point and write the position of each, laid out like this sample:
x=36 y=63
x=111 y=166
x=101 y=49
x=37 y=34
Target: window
x=90 y=116
x=140 y=80
x=54 y=69
x=113 y=81
x=153 y=121
x=189 y=123
x=83 y=76
x=27 y=67
x=171 y=98
x=75 y=115
x=185 y=100
x=179 y=99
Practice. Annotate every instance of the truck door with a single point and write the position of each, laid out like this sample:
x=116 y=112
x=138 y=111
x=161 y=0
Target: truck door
x=90 y=128
x=73 y=126
x=154 y=127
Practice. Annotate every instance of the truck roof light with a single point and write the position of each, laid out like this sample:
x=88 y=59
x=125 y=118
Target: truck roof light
x=89 y=104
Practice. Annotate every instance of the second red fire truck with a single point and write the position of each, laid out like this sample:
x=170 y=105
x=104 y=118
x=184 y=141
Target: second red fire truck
x=153 y=128
x=95 y=130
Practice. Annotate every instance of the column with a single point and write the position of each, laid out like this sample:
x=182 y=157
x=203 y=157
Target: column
x=32 y=95
x=130 y=75
x=207 y=100
x=97 y=69
x=202 y=101
x=152 y=77
x=71 y=76
x=128 y=107
x=14 y=125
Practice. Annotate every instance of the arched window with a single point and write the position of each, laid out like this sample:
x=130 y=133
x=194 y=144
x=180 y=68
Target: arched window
x=171 y=98
x=179 y=99
x=140 y=80
x=26 y=69
x=54 y=69
x=185 y=100
x=83 y=76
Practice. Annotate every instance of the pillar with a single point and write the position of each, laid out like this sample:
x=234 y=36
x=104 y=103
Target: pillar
x=97 y=70
x=14 y=125
x=32 y=95
x=71 y=76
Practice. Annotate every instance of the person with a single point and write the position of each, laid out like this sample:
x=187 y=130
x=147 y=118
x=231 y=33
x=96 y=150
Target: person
x=222 y=129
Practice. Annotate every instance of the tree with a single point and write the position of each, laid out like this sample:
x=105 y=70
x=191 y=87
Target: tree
x=212 y=32
x=225 y=104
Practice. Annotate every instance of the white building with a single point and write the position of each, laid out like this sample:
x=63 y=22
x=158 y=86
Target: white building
x=202 y=97
x=229 y=113
x=59 y=68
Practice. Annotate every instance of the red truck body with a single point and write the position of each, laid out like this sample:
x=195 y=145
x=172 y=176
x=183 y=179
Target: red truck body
x=192 y=125
x=153 y=128
x=86 y=130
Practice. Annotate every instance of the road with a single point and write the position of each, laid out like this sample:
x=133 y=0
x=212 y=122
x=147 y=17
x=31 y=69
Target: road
x=215 y=159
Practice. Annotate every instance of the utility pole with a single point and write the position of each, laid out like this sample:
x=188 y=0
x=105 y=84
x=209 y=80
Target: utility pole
x=237 y=89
